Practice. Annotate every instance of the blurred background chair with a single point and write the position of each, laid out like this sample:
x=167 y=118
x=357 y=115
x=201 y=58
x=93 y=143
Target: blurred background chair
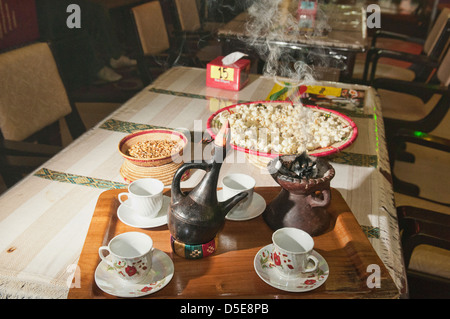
x=187 y=20
x=423 y=210
x=413 y=18
x=425 y=176
x=32 y=103
x=198 y=37
x=415 y=106
x=425 y=238
x=432 y=50
x=158 y=52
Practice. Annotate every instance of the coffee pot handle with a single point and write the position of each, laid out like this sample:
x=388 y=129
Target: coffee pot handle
x=314 y=202
x=177 y=194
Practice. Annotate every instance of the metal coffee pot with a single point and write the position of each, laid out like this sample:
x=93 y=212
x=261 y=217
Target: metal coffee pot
x=196 y=217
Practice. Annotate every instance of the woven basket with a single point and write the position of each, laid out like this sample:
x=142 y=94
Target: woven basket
x=149 y=135
x=164 y=173
x=258 y=161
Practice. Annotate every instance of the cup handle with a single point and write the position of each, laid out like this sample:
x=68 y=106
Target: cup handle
x=316 y=264
x=120 y=197
x=103 y=257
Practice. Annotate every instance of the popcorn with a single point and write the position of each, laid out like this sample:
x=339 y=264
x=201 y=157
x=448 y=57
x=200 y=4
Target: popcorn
x=282 y=128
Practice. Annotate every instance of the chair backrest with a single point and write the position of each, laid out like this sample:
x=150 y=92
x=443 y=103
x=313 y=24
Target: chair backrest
x=33 y=95
x=438 y=37
x=443 y=72
x=188 y=15
x=151 y=28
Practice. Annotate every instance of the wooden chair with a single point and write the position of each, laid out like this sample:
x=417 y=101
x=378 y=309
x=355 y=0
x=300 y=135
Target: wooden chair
x=421 y=142
x=157 y=51
x=415 y=23
x=423 y=218
x=32 y=102
x=197 y=37
x=187 y=21
x=412 y=105
x=426 y=250
x=434 y=47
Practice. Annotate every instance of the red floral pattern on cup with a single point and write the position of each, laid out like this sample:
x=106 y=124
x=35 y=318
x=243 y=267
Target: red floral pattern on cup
x=130 y=270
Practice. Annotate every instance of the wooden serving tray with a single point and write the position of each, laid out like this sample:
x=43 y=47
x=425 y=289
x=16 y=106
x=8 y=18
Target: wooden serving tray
x=229 y=272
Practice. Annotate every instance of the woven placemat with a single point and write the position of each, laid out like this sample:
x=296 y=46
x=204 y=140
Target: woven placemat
x=164 y=173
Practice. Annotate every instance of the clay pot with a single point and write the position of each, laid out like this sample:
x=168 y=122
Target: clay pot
x=302 y=202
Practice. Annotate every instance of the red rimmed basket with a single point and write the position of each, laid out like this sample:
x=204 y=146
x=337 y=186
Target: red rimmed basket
x=213 y=125
x=149 y=135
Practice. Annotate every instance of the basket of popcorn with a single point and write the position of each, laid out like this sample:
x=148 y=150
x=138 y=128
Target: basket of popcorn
x=268 y=129
x=155 y=153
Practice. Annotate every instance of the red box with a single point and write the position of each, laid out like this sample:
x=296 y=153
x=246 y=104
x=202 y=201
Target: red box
x=228 y=77
x=306 y=14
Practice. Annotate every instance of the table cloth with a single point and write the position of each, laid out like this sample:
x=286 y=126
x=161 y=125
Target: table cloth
x=44 y=219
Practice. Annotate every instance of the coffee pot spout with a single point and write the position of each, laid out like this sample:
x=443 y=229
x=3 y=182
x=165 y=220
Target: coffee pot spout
x=230 y=203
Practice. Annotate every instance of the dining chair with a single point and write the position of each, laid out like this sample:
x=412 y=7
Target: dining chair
x=425 y=240
x=423 y=210
x=419 y=177
x=33 y=102
x=412 y=21
x=433 y=49
x=196 y=35
x=158 y=52
x=412 y=105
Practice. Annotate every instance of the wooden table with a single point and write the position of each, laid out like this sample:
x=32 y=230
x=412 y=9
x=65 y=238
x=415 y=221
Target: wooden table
x=229 y=272
x=45 y=219
x=344 y=35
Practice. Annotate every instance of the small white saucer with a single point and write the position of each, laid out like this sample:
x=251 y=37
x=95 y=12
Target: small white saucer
x=158 y=277
x=130 y=218
x=265 y=269
x=256 y=208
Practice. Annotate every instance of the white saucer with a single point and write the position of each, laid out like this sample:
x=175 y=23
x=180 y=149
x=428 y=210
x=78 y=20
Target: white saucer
x=256 y=208
x=265 y=269
x=158 y=277
x=130 y=218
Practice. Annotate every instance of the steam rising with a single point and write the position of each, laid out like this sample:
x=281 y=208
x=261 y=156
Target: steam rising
x=273 y=22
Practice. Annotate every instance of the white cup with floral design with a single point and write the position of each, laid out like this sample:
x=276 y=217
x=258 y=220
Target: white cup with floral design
x=130 y=256
x=292 y=248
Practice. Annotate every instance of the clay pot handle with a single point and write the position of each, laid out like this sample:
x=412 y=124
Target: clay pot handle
x=313 y=202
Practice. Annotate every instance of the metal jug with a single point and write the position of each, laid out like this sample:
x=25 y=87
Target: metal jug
x=196 y=217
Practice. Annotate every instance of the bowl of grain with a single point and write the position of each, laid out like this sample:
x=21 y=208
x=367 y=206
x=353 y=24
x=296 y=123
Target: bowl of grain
x=152 y=148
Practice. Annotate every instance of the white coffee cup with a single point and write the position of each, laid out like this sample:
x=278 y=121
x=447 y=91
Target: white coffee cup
x=234 y=184
x=145 y=196
x=292 y=248
x=130 y=255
